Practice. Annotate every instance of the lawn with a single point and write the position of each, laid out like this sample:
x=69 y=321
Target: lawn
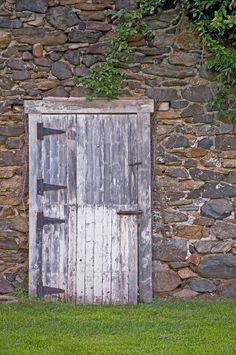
x=164 y=327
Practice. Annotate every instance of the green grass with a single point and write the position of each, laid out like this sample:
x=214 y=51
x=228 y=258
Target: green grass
x=164 y=327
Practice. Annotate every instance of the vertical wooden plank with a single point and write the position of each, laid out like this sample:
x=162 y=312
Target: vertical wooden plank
x=107 y=256
x=124 y=230
x=132 y=261
x=81 y=159
x=90 y=159
x=81 y=256
x=98 y=253
x=144 y=203
x=116 y=261
x=34 y=202
x=72 y=206
x=89 y=264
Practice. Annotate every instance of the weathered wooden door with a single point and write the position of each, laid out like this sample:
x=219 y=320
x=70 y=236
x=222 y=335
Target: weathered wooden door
x=90 y=200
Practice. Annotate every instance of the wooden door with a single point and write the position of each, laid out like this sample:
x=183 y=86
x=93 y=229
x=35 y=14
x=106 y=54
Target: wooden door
x=90 y=223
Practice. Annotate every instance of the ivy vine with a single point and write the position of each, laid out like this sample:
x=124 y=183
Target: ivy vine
x=215 y=21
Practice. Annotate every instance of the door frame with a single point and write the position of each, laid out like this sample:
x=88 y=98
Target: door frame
x=142 y=108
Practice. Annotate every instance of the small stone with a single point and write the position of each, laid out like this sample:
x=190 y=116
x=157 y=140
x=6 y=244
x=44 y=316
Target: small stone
x=27 y=56
x=228 y=289
x=7 y=22
x=16 y=64
x=21 y=75
x=206 y=143
x=218 y=266
x=98 y=26
x=199 y=93
x=186 y=273
x=73 y=57
x=38 y=50
x=62 y=17
x=184 y=58
x=61 y=70
x=5 y=39
x=12 y=130
x=44 y=36
x=43 y=62
x=206 y=118
x=168 y=71
x=204 y=221
x=162 y=94
x=227 y=163
x=205 y=175
x=125 y=4
x=201 y=285
x=179 y=104
x=90 y=60
x=167 y=249
x=211 y=160
x=176 y=265
x=34 y=6
x=178 y=173
x=224 y=230
x=194 y=259
x=172 y=216
x=189 y=232
x=185 y=293
x=217 y=209
x=56 y=92
x=175 y=141
x=190 y=163
x=218 y=190
x=5 y=286
x=164 y=280
x=167 y=115
x=193 y=109
x=213 y=246
x=84 y=36
x=231 y=178
x=188 y=40
x=196 y=152
x=163 y=39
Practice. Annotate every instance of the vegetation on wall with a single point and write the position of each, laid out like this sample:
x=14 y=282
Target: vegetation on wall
x=215 y=21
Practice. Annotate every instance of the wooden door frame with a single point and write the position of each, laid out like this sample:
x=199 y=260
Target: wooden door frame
x=142 y=107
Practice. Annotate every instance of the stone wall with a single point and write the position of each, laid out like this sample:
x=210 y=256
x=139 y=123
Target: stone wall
x=43 y=44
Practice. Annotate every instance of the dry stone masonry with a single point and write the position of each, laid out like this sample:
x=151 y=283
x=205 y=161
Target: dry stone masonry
x=45 y=43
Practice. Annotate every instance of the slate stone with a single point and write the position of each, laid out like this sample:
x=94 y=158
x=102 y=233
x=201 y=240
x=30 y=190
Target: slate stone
x=61 y=70
x=177 y=141
x=184 y=58
x=57 y=92
x=224 y=142
x=125 y=4
x=220 y=128
x=224 y=230
x=231 y=178
x=173 y=216
x=199 y=93
x=176 y=265
x=39 y=6
x=163 y=39
x=193 y=109
x=201 y=285
x=167 y=249
x=8 y=243
x=18 y=223
x=79 y=36
x=218 y=190
x=89 y=60
x=5 y=39
x=213 y=246
x=21 y=75
x=228 y=289
x=43 y=62
x=72 y=57
x=62 y=17
x=207 y=118
x=165 y=280
x=205 y=175
x=179 y=104
x=218 y=266
x=55 y=56
x=205 y=143
x=162 y=94
x=16 y=64
x=168 y=71
x=27 y=56
x=12 y=130
x=178 y=173
x=7 y=22
x=217 y=209
x=5 y=286
x=32 y=35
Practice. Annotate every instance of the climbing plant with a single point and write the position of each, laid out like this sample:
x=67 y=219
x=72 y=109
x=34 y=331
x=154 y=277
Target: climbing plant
x=215 y=20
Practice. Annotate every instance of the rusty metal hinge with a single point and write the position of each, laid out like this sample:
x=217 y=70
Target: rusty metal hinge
x=135 y=164
x=44 y=131
x=42 y=187
x=46 y=290
x=130 y=213
x=42 y=220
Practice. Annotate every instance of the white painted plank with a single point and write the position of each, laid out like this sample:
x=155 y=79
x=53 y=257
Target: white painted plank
x=34 y=202
x=116 y=261
x=107 y=256
x=98 y=253
x=124 y=231
x=89 y=265
x=81 y=256
x=132 y=260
